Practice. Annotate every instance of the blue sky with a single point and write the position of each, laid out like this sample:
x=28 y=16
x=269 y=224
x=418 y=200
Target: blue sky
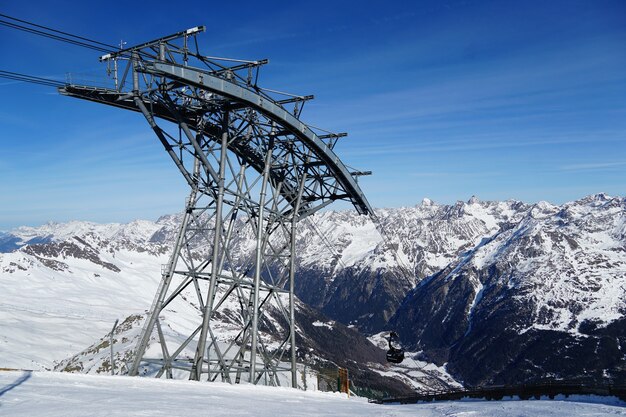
x=445 y=100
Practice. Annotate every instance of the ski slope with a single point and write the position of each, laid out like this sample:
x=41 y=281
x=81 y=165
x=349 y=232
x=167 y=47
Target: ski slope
x=48 y=394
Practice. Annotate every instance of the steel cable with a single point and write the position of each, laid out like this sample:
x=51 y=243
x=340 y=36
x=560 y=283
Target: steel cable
x=16 y=76
x=108 y=47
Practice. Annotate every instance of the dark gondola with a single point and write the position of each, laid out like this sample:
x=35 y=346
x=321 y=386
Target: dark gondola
x=394 y=354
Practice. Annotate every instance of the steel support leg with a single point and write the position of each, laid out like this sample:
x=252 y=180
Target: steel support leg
x=258 y=265
x=196 y=372
x=292 y=273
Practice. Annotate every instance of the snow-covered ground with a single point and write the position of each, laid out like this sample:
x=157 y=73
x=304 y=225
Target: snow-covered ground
x=47 y=394
x=47 y=315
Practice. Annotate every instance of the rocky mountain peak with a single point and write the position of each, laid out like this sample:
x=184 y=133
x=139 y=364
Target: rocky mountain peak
x=557 y=277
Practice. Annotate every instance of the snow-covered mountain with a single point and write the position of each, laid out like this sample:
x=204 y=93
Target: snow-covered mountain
x=61 y=295
x=456 y=281
x=544 y=298
x=366 y=279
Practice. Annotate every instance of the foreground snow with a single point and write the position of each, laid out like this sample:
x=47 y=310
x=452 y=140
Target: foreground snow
x=62 y=394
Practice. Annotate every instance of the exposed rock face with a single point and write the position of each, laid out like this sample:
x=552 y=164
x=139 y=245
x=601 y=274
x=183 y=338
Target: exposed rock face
x=542 y=299
x=366 y=279
x=334 y=342
x=77 y=248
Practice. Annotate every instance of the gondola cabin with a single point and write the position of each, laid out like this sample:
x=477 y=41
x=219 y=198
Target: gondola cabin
x=394 y=354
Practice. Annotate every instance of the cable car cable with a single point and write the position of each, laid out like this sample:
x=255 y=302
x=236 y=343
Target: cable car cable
x=53 y=36
x=59 y=31
x=16 y=76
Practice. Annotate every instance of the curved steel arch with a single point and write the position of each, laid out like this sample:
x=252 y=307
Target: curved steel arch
x=208 y=82
x=202 y=79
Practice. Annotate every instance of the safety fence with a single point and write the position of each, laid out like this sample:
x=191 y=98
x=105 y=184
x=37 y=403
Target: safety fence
x=523 y=392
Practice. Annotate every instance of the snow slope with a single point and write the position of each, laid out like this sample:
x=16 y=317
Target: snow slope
x=53 y=307
x=51 y=394
x=61 y=296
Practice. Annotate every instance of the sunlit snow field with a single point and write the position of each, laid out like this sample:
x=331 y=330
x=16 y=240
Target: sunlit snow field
x=49 y=394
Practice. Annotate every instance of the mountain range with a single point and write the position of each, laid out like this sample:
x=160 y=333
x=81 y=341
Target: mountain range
x=481 y=292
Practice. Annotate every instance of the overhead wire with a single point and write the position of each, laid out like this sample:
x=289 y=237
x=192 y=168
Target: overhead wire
x=16 y=76
x=62 y=36
x=57 y=34
x=50 y=33
x=53 y=36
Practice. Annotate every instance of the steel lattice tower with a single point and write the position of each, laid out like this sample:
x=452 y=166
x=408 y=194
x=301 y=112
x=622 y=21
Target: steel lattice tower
x=253 y=169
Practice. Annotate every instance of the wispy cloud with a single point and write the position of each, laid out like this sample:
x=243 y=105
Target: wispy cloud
x=471 y=144
x=594 y=166
x=454 y=174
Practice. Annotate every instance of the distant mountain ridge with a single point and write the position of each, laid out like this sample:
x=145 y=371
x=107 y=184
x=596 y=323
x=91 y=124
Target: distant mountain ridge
x=457 y=281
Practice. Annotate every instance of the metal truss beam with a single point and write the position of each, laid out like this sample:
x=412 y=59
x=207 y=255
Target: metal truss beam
x=254 y=171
